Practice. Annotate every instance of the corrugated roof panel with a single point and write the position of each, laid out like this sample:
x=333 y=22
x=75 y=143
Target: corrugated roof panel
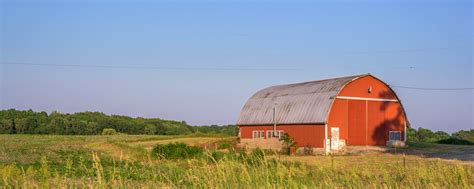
x=300 y=103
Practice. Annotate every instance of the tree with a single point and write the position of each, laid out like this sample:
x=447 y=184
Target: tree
x=440 y=135
x=5 y=126
x=425 y=135
x=57 y=125
x=411 y=135
x=109 y=131
x=91 y=128
x=92 y=123
x=150 y=129
x=465 y=135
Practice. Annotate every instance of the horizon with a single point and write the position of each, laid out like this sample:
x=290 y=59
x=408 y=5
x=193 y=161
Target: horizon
x=200 y=62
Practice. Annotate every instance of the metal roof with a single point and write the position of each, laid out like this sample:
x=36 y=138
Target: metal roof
x=300 y=103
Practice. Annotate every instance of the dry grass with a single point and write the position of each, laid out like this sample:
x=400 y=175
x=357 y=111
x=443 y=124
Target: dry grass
x=187 y=140
x=124 y=162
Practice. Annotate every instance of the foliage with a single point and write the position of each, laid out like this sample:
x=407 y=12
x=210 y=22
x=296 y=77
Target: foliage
x=465 y=135
x=230 y=130
x=288 y=140
x=109 y=131
x=288 y=143
x=233 y=173
x=224 y=144
x=218 y=155
x=92 y=123
x=98 y=162
x=426 y=135
x=454 y=140
x=176 y=151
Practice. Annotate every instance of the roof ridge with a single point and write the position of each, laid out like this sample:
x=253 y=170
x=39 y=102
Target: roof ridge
x=334 y=78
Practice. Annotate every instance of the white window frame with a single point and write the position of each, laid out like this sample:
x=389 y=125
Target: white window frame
x=269 y=134
x=389 y=134
x=279 y=134
x=254 y=134
x=258 y=134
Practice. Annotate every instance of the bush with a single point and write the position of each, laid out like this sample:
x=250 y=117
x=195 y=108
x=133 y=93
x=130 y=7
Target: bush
x=217 y=155
x=224 y=145
x=308 y=150
x=176 y=151
x=288 y=142
x=453 y=140
x=109 y=131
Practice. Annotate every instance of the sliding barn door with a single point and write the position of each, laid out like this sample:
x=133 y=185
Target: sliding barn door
x=357 y=117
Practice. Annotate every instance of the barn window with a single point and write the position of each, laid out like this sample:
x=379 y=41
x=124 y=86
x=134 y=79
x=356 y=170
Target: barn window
x=258 y=134
x=395 y=135
x=269 y=134
x=278 y=134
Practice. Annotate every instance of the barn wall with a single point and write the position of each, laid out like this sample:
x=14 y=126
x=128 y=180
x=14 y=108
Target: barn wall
x=364 y=122
x=339 y=118
x=311 y=135
x=357 y=123
x=359 y=88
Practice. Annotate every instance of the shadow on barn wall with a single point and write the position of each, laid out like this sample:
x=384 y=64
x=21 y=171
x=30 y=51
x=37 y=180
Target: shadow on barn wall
x=380 y=134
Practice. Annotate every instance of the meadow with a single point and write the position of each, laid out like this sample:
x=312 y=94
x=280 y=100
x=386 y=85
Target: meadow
x=126 y=161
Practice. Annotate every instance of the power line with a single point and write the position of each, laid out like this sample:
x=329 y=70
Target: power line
x=401 y=51
x=151 y=67
x=208 y=68
x=433 y=89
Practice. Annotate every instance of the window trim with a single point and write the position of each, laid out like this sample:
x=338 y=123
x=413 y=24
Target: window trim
x=258 y=134
x=280 y=133
x=269 y=134
x=390 y=132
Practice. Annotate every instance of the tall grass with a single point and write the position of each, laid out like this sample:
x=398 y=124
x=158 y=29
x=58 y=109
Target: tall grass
x=233 y=171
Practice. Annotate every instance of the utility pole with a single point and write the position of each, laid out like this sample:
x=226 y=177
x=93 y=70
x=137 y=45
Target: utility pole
x=274 y=120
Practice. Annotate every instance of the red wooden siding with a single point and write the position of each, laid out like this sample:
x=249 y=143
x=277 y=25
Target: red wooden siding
x=366 y=122
x=304 y=135
x=359 y=88
x=357 y=123
x=339 y=118
x=378 y=134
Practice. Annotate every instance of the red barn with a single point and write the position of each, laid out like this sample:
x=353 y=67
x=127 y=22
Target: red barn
x=354 y=111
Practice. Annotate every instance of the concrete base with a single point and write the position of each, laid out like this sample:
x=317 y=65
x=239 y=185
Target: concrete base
x=271 y=144
x=395 y=143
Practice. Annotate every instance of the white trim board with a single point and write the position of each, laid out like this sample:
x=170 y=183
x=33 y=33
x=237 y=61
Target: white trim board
x=368 y=99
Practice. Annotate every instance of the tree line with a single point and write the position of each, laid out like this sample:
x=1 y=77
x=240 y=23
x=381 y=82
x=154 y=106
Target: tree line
x=426 y=135
x=93 y=123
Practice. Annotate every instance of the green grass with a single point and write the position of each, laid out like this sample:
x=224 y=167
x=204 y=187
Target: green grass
x=33 y=161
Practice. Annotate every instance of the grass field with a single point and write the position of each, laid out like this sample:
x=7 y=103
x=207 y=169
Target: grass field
x=35 y=161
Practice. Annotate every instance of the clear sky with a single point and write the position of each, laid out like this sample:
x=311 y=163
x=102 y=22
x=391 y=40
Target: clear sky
x=409 y=43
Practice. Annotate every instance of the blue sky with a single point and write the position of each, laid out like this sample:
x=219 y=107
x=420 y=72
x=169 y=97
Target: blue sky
x=409 y=43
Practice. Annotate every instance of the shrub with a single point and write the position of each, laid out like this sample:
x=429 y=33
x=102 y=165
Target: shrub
x=308 y=150
x=217 y=155
x=224 y=145
x=453 y=140
x=109 y=131
x=176 y=151
x=288 y=142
